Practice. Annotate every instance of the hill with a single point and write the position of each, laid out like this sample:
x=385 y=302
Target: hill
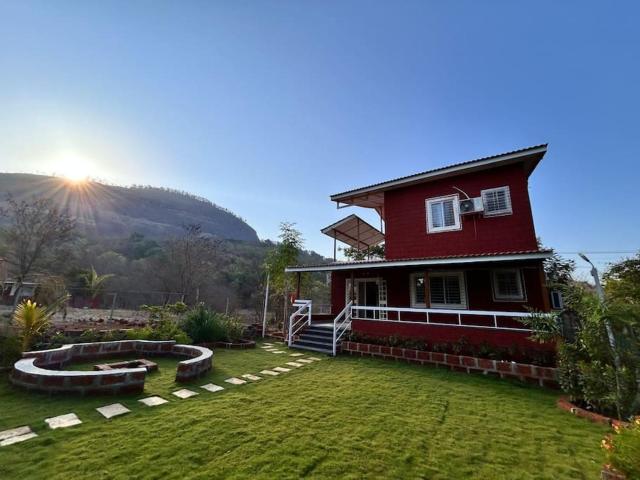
x=113 y=211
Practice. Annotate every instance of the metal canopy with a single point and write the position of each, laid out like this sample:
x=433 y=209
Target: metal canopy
x=355 y=232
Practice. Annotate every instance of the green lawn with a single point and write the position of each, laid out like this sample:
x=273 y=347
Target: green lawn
x=339 y=418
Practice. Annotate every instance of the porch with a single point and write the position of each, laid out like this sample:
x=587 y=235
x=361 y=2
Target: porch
x=480 y=300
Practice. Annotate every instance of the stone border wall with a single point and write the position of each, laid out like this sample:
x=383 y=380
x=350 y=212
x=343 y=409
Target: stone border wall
x=542 y=376
x=565 y=404
x=39 y=370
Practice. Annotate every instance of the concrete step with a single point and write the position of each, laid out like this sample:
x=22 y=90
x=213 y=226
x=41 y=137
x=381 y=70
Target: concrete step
x=327 y=351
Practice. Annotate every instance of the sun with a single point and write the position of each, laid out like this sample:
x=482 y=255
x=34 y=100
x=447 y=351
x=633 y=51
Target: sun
x=74 y=168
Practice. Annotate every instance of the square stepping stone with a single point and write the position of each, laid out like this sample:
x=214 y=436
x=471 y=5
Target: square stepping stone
x=253 y=378
x=276 y=351
x=14 y=432
x=153 y=401
x=184 y=393
x=304 y=360
x=282 y=369
x=268 y=344
x=294 y=364
x=212 y=387
x=235 y=381
x=269 y=372
x=63 y=421
x=315 y=359
x=268 y=347
x=297 y=355
x=17 y=438
x=113 y=410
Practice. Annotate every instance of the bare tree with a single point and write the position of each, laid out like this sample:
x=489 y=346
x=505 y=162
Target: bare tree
x=34 y=230
x=188 y=261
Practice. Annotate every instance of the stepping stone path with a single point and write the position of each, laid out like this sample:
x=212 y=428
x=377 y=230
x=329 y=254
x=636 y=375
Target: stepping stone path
x=282 y=369
x=235 y=381
x=304 y=360
x=294 y=364
x=184 y=393
x=113 y=410
x=297 y=355
x=153 y=401
x=269 y=372
x=211 y=387
x=63 y=421
x=253 y=378
x=16 y=435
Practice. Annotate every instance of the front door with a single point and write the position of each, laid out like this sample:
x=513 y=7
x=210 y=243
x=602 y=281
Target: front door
x=367 y=294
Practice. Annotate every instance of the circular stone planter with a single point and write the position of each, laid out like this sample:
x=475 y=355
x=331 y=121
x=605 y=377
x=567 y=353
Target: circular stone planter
x=40 y=370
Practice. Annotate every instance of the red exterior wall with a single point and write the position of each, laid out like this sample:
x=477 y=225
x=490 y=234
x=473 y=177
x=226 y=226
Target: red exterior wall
x=479 y=297
x=406 y=225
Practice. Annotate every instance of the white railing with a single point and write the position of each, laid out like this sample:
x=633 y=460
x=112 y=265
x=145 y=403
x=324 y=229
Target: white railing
x=299 y=318
x=359 y=312
x=341 y=324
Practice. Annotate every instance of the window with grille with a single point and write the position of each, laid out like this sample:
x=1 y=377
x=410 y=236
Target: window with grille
x=447 y=290
x=507 y=285
x=497 y=201
x=443 y=214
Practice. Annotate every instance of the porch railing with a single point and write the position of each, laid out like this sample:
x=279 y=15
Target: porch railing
x=341 y=324
x=460 y=317
x=299 y=318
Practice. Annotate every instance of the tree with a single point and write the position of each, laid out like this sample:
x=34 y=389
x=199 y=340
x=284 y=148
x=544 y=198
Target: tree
x=284 y=254
x=32 y=319
x=622 y=280
x=94 y=283
x=559 y=270
x=188 y=261
x=375 y=251
x=36 y=228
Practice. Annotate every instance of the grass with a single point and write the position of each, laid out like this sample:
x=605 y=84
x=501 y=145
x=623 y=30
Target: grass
x=346 y=417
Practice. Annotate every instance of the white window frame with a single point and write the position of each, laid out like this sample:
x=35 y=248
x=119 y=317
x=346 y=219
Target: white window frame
x=504 y=211
x=508 y=298
x=456 y=213
x=412 y=287
x=463 y=290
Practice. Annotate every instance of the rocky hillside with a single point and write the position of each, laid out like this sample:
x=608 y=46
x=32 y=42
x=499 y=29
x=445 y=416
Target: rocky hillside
x=112 y=211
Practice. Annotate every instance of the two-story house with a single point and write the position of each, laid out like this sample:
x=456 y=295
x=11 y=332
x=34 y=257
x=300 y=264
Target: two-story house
x=461 y=258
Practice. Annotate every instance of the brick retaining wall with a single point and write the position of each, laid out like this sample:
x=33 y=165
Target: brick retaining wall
x=543 y=376
x=39 y=370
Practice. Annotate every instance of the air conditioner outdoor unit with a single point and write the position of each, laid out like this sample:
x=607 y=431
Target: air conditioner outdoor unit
x=471 y=205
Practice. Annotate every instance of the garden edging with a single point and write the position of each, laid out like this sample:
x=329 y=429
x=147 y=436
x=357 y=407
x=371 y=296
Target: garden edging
x=542 y=376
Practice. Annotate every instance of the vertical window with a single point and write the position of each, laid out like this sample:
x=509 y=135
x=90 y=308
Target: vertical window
x=497 y=201
x=418 y=299
x=443 y=214
x=447 y=290
x=507 y=285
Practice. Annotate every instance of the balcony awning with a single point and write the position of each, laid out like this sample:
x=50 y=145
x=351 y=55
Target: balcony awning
x=355 y=232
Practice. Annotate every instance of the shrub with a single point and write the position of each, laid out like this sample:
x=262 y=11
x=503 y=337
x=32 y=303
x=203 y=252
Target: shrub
x=163 y=330
x=623 y=449
x=9 y=350
x=203 y=326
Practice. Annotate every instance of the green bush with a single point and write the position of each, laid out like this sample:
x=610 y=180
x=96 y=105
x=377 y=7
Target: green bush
x=203 y=326
x=163 y=330
x=623 y=449
x=206 y=326
x=10 y=351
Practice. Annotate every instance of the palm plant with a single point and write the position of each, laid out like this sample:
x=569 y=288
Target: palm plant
x=32 y=319
x=94 y=282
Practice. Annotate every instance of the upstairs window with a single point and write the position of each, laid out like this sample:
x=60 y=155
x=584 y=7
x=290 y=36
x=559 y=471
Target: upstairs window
x=497 y=201
x=443 y=214
x=507 y=285
x=447 y=290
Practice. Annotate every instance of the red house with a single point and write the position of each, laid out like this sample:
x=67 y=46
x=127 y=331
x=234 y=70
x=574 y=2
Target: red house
x=461 y=259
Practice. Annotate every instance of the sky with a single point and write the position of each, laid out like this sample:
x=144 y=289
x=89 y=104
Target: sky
x=268 y=107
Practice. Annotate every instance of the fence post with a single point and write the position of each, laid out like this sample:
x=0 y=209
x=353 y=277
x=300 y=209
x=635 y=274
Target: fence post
x=113 y=305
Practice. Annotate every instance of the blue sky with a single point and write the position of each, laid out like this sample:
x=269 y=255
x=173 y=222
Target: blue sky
x=268 y=107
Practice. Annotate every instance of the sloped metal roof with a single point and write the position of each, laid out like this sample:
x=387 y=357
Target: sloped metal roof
x=355 y=232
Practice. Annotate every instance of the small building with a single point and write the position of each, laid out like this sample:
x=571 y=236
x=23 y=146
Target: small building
x=461 y=259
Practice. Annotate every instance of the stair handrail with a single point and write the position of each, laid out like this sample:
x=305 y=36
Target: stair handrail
x=339 y=327
x=301 y=315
